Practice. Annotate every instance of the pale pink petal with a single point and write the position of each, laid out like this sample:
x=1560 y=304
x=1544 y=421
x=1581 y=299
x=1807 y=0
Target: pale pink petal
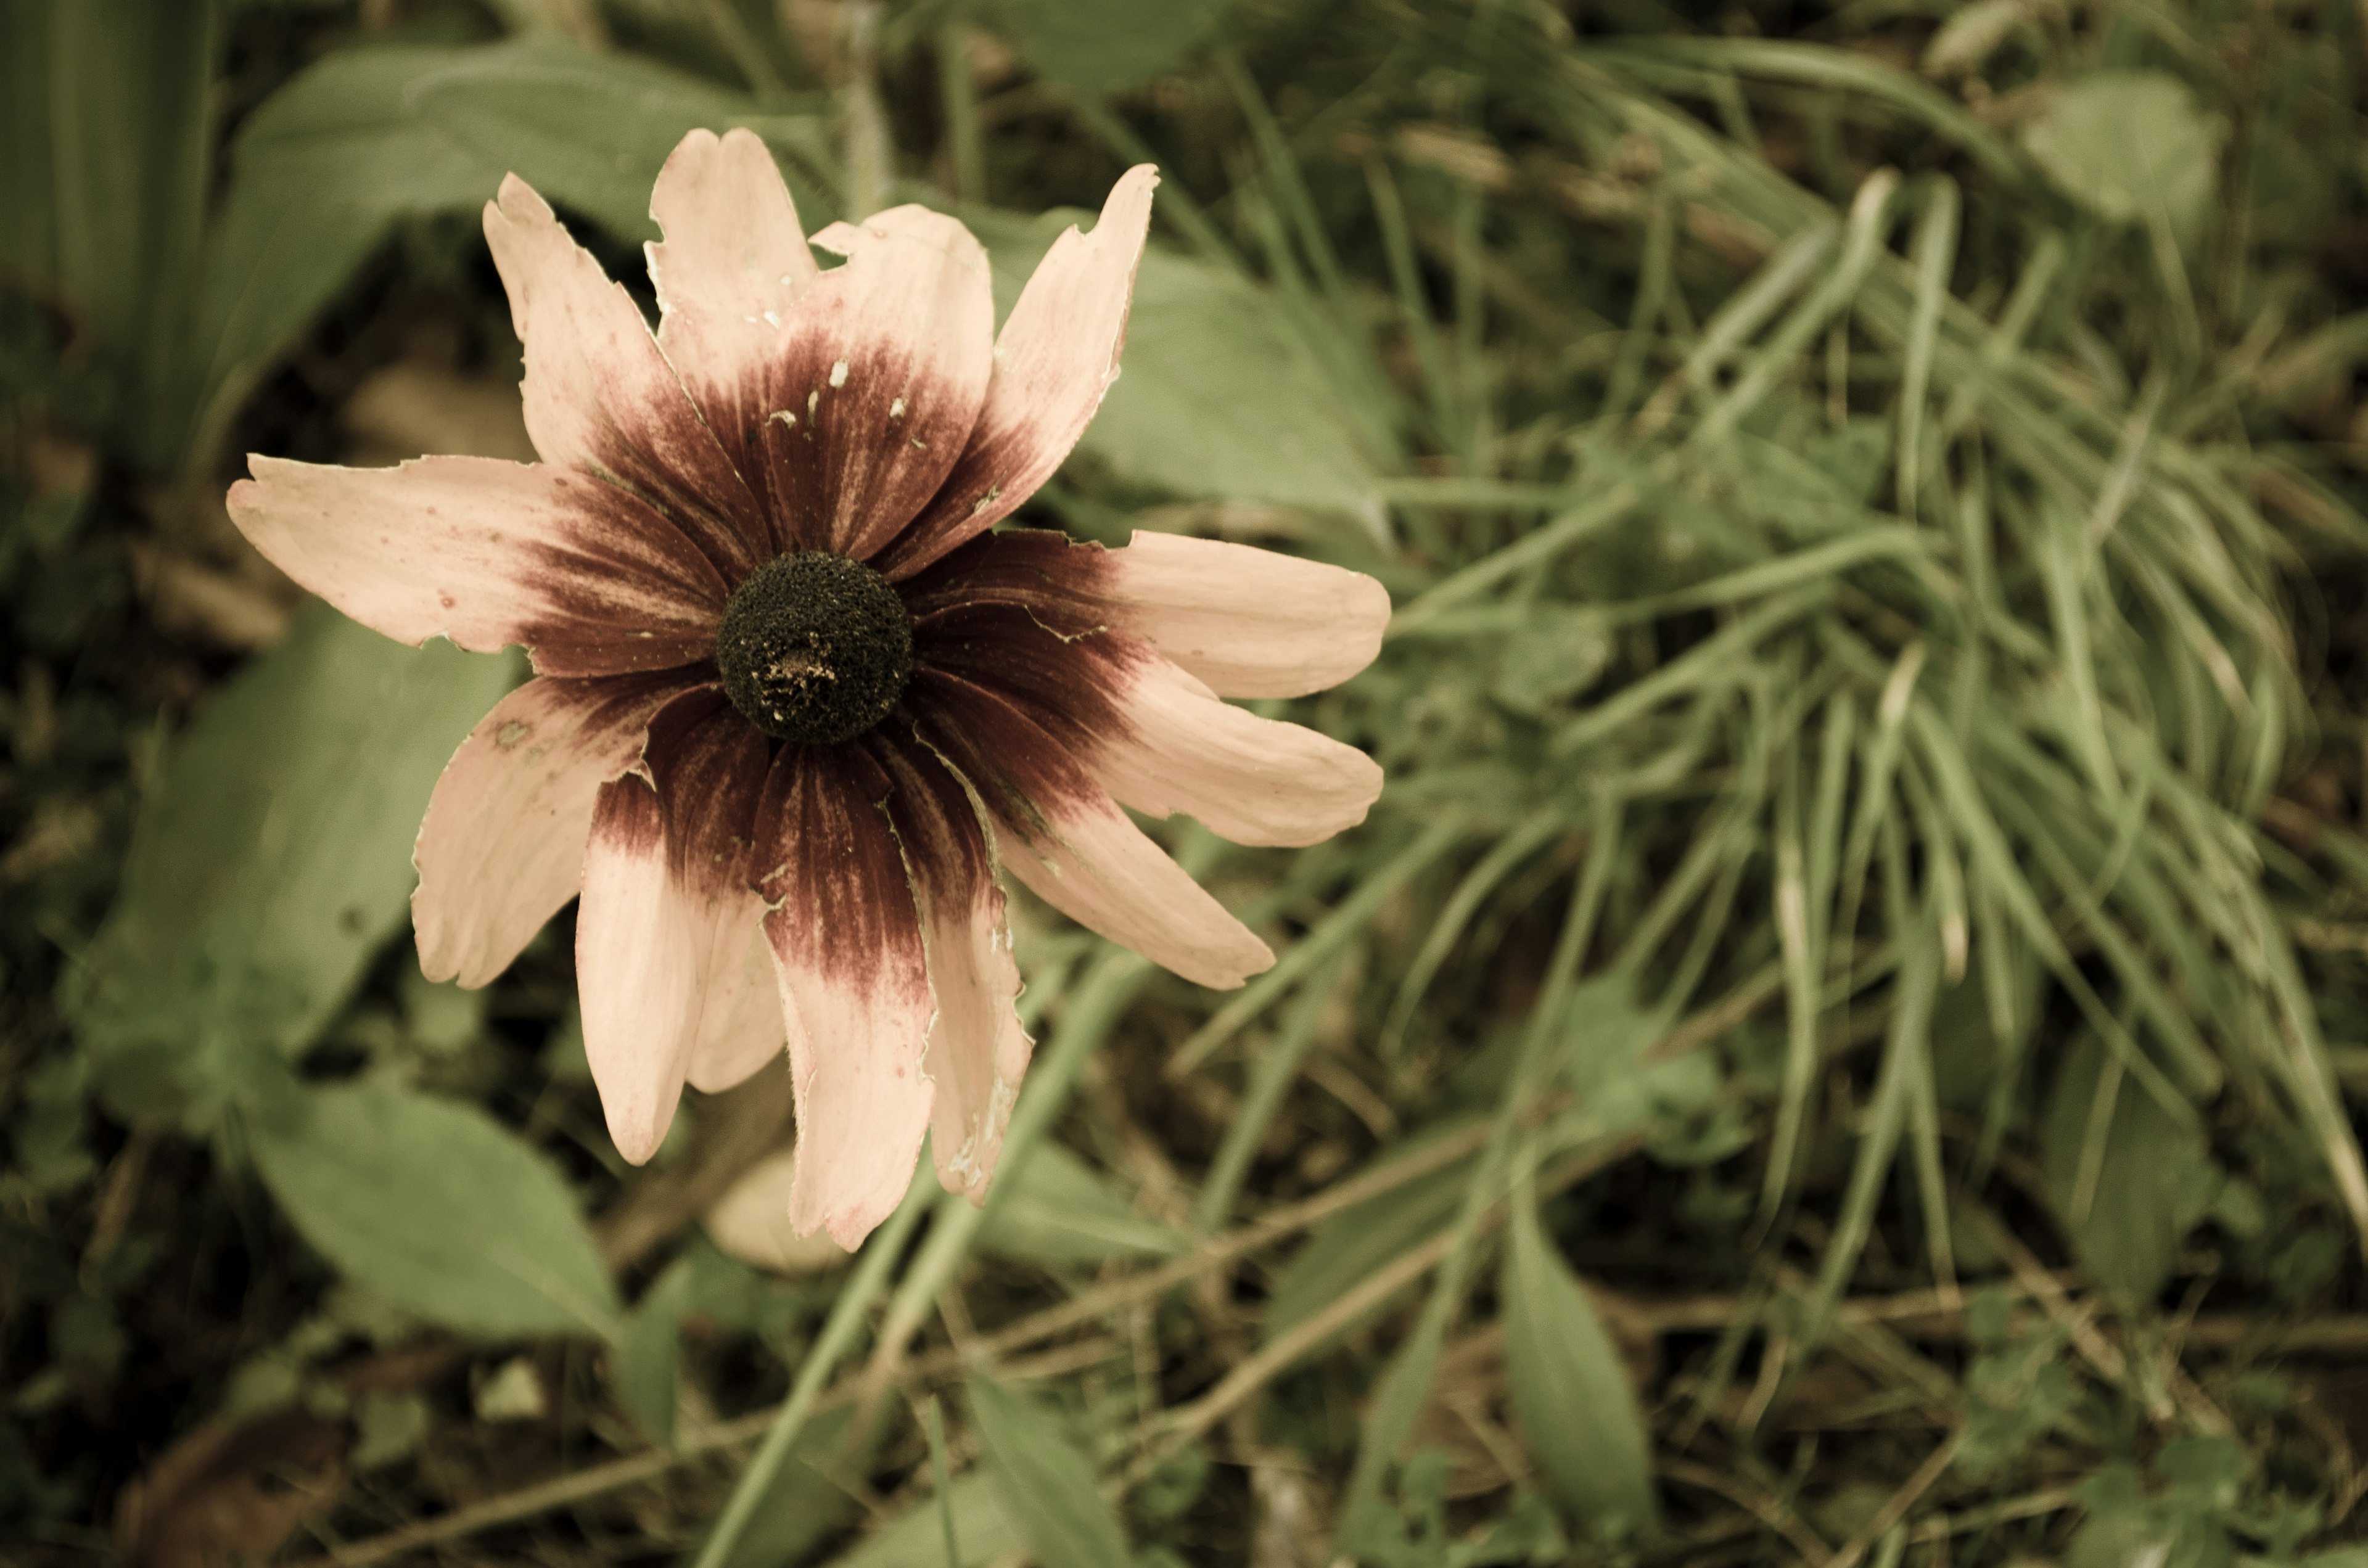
x=855 y=993
x=977 y=1050
x=1251 y=779
x=636 y=967
x=1249 y=622
x=733 y=263
x=600 y=398
x=1056 y=357
x=877 y=378
x=740 y=1027
x=502 y=846
x=488 y=553
x=1060 y=833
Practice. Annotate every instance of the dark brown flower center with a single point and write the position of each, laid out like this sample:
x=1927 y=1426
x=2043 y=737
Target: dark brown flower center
x=815 y=647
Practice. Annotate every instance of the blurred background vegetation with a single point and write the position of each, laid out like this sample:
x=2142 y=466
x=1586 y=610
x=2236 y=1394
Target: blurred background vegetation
x=1836 y=1044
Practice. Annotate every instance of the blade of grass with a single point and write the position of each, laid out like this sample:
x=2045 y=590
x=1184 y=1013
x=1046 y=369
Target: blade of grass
x=1399 y=1398
x=1348 y=917
x=1480 y=881
x=1276 y=1069
x=1933 y=251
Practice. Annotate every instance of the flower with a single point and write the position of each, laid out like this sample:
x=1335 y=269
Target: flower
x=793 y=706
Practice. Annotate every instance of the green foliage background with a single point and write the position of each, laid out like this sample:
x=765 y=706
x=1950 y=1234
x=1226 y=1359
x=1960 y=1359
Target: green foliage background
x=1835 y=1044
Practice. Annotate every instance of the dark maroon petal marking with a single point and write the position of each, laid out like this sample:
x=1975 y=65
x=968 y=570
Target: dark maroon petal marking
x=1056 y=356
x=600 y=397
x=945 y=847
x=827 y=861
x=709 y=768
x=1069 y=686
x=876 y=382
x=489 y=555
x=1023 y=771
x=1050 y=575
x=662 y=451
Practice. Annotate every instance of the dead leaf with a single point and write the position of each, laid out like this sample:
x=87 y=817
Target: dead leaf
x=230 y=1494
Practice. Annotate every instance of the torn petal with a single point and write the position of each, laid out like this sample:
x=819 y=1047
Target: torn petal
x=977 y=1050
x=502 y=846
x=876 y=379
x=854 y=987
x=600 y=397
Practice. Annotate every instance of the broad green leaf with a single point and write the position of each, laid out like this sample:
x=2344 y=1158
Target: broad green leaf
x=643 y=1365
x=915 y=1537
x=592 y=130
x=2138 y=1199
x=1218 y=397
x=1047 y=1488
x=275 y=858
x=1106 y=46
x=1058 y=1211
x=1571 y=1393
x=104 y=144
x=436 y=1208
x=2130 y=145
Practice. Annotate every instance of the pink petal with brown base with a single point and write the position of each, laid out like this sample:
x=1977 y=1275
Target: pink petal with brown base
x=1060 y=833
x=977 y=1050
x=1247 y=622
x=502 y=846
x=732 y=265
x=1056 y=357
x=877 y=377
x=636 y=967
x=489 y=555
x=600 y=398
x=709 y=765
x=855 y=991
x=1251 y=779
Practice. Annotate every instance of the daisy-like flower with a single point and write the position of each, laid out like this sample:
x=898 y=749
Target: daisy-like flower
x=794 y=708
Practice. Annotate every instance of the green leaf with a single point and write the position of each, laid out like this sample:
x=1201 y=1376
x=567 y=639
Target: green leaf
x=1046 y=1486
x=275 y=858
x=1058 y=1211
x=1218 y=397
x=1106 y=46
x=1571 y=1393
x=643 y=1365
x=2138 y=1201
x=915 y=1537
x=2130 y=145
x=105 y=152
x=438 y=1209
x=592 y=130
